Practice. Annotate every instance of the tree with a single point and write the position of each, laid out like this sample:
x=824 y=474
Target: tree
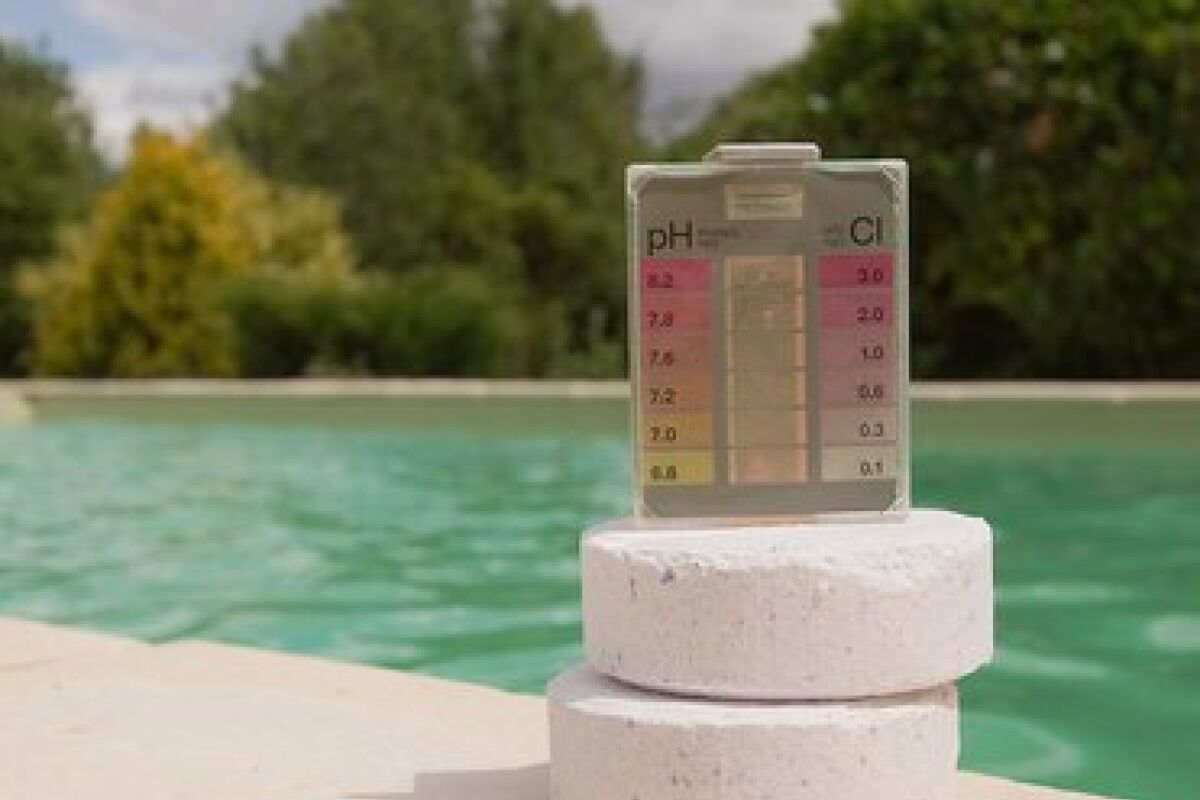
x=48 y=169
x=1055 y=161
x=558 y=108
x=453 y=130
x=139 y=291
x=367 y=101
x=561 y=114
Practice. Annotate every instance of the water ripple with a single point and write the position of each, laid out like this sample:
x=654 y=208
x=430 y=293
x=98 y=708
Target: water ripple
x=453 y=550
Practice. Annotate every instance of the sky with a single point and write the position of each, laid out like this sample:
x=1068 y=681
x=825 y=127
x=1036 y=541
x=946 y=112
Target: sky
x=168 y=61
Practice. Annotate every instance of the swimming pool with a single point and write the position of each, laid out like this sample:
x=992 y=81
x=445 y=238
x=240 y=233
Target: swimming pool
x=440 y=535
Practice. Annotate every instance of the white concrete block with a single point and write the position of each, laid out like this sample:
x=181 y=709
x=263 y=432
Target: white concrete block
x=609 y=741
x=790 y=612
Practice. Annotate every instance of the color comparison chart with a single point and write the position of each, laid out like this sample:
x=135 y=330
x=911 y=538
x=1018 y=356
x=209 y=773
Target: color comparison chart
x=768 y=321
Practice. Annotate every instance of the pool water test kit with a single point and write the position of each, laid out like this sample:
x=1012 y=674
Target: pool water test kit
x=773 y=621
x=768 y=317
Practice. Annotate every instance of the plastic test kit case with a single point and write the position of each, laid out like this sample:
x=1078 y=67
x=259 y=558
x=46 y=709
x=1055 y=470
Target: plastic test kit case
x=769 y=335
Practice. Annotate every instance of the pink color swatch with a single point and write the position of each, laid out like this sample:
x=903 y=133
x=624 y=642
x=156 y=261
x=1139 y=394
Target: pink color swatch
x=857 y=270
x=852 y=308
x=861 y=347
x=875 y=387
x=664 y=312
x=671 y=390
x=865 y=425
x=664 y=352
x=681 y=274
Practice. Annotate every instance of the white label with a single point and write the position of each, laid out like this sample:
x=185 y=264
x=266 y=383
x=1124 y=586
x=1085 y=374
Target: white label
x=764 y=201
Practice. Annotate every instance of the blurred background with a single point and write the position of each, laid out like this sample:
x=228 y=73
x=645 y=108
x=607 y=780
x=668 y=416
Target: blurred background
x=433 y=188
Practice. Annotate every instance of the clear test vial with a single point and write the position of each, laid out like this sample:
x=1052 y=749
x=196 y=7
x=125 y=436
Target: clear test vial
x=769 y=335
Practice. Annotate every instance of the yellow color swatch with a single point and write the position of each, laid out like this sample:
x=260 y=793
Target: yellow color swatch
x=677 y=467
x=666 y=431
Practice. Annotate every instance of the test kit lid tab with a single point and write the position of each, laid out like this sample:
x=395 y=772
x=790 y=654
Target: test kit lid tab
x=763 y=153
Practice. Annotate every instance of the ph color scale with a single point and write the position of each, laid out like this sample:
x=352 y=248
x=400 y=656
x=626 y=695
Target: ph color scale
x=768 y=317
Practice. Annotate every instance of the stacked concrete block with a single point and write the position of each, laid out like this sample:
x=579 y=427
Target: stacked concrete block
x=780 y=662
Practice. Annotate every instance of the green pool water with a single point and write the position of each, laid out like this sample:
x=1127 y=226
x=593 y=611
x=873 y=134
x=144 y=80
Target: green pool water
x=441 y=536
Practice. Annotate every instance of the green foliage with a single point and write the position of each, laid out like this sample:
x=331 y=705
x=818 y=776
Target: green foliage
x=138 y=291
x=558 y=109
x=48 y=169
x=444 y=321
x=365 y=100
x=477 y=150
x=1055 y=155
x=490 y=136
x=569 y=260
x=296 y=327
x=433 y=321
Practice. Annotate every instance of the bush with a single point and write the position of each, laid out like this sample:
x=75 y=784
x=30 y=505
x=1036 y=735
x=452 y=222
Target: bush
x=487 y=135
x=1055 y=155
x=295 y=327
x=132 y=294
x=445 y=321
x=139 y=291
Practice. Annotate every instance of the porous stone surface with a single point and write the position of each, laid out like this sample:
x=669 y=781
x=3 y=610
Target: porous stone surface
x=812 y=611
x=610 y=741
x=89 y=717
x=93 y=717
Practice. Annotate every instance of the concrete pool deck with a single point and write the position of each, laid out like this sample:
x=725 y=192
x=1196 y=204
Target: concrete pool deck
x=87 y=716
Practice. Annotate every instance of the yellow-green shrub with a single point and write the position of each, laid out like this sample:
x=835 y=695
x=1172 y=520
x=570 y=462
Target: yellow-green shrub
x=139 y=290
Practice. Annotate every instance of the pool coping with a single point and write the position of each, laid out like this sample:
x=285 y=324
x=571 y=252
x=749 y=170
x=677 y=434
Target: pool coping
x=95 y=716
x=942 y=391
